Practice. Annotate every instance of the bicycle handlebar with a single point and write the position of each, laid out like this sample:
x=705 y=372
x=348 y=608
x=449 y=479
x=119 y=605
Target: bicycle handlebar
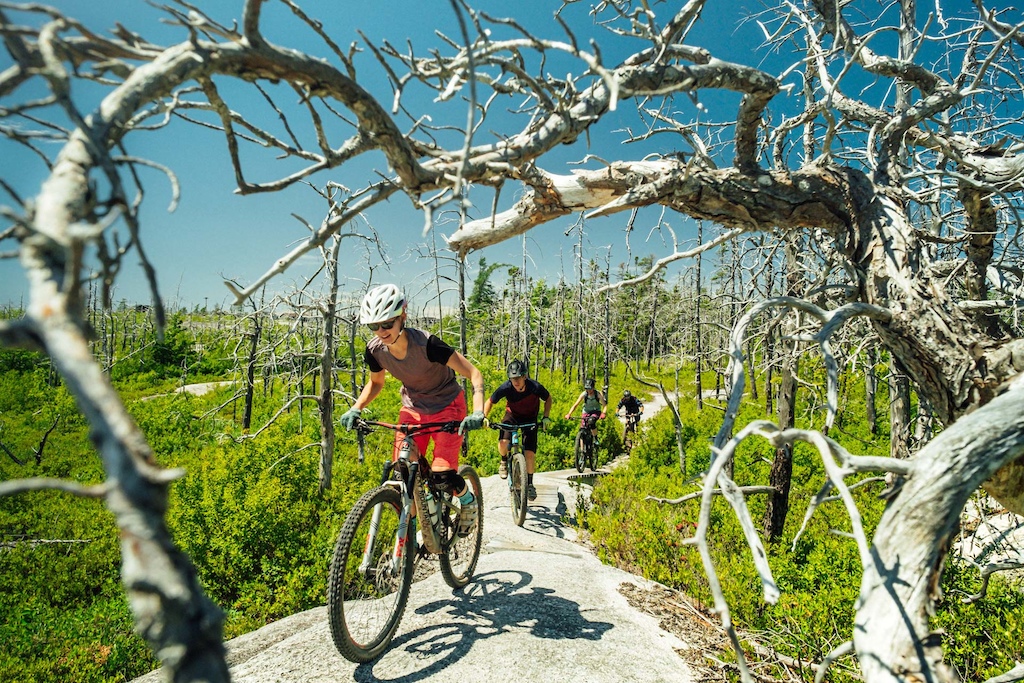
x=512 y=427
x=451 y=426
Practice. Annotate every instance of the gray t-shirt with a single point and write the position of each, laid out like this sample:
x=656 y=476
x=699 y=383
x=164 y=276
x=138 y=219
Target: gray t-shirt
x=592 y=403
x=428 y=384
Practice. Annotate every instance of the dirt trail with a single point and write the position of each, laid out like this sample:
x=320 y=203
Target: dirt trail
x=541 y=606
x=199 y=389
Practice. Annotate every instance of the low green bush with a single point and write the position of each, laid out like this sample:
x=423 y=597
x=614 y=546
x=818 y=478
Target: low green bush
x=819 y=578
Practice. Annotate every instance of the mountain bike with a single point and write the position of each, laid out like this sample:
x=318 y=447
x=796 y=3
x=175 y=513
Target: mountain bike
x=517 y=475
x=586 y=452
x=632 y=420
x=372 y=567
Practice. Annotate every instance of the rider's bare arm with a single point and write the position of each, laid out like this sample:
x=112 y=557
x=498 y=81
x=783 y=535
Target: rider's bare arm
x=370 y=391
x=578 y=401
x=461 y=365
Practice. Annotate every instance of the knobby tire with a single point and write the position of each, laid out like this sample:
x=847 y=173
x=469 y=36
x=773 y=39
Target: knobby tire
x=460 y=553
x=517 y=487
x=364 y=610
x=581 y=453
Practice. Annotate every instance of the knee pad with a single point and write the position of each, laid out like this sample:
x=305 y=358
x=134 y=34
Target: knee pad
x=448 y=481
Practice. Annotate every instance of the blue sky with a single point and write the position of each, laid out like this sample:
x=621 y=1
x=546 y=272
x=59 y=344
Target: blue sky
x=215 y=234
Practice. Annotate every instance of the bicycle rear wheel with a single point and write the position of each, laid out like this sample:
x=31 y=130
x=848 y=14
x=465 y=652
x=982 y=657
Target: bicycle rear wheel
x=460 y=553
x=365 y=600
x=581 y=453
x=517 y=487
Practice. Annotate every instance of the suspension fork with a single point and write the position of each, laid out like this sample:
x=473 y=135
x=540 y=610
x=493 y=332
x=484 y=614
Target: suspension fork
x=512 y=450
x=405 y=516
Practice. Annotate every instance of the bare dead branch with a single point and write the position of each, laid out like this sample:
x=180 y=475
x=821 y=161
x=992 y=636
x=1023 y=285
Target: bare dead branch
x=1014 y=674
x=14 y=486
x=746 y=490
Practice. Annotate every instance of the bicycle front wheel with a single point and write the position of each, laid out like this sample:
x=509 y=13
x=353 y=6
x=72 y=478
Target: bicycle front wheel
x=517 y=487
x=581 y=453
x=369 y=583
x=460 y=553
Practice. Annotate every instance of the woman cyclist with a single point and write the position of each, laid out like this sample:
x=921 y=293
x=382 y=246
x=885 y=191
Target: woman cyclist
x=593 y=404
x=426 y=367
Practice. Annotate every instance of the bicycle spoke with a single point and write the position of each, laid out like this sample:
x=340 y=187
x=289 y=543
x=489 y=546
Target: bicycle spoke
x=369 y=577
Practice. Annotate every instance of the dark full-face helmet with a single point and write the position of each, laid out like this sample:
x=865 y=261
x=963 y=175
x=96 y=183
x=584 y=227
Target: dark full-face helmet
x=516 y=368
x=627 y=394
x=588 y=383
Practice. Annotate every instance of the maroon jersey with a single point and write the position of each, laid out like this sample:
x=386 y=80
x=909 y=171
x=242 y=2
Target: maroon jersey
x=521 y=406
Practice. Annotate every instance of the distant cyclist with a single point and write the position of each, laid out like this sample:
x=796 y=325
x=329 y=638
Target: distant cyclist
x=522 y=403
x=633 y=408
x=632 y=405
x=594 y=404
x=426 y=367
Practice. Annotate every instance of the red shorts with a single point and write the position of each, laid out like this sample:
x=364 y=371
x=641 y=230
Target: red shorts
x=447 y=447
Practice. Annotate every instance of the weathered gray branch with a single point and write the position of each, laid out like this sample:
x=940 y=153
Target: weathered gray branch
x=892 y=633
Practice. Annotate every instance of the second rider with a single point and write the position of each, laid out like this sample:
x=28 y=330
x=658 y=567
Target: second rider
x=522 y=403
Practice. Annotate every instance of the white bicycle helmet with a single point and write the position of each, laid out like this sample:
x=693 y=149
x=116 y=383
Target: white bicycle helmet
x=381 y=303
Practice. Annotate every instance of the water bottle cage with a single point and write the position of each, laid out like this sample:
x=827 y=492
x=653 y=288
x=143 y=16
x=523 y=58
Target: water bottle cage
x=433 y=506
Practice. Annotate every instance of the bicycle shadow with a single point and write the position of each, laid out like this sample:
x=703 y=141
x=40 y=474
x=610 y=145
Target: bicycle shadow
x=542 y=519
x=541 y=516
x=494 y=603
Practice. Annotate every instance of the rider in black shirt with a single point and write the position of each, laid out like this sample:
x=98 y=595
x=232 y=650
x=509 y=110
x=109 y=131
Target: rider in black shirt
x=633 y=407
x=522 y=403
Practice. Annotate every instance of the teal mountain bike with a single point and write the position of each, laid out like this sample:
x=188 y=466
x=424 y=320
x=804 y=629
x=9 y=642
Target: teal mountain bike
x=517 y=475
x=372 y=567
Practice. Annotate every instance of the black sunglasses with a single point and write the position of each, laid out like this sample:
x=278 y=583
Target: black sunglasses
x=386 y=325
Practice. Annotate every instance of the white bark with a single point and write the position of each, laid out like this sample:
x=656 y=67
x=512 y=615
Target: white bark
x=892 y=635
x=551 y=196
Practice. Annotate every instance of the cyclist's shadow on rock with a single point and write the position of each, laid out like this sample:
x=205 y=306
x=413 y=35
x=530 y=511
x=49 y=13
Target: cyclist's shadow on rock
x=544 y=520
x=492 y=604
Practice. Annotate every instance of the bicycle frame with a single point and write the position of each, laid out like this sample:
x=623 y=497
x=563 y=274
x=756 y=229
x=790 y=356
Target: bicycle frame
x=585 y=438
x=517 y=469
x=371 y=569
x=585 y=429
x=408 y=466
x=516 y=442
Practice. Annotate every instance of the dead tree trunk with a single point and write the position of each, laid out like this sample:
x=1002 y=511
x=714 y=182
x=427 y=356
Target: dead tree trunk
x=697 y=322
x=250 y=369
x=326 y=402
x=871 y=389
x=892 y=635
x=781 y=475
x=899 y=410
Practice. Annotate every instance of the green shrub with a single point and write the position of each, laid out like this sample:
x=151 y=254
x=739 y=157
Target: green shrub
x=819 y=579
